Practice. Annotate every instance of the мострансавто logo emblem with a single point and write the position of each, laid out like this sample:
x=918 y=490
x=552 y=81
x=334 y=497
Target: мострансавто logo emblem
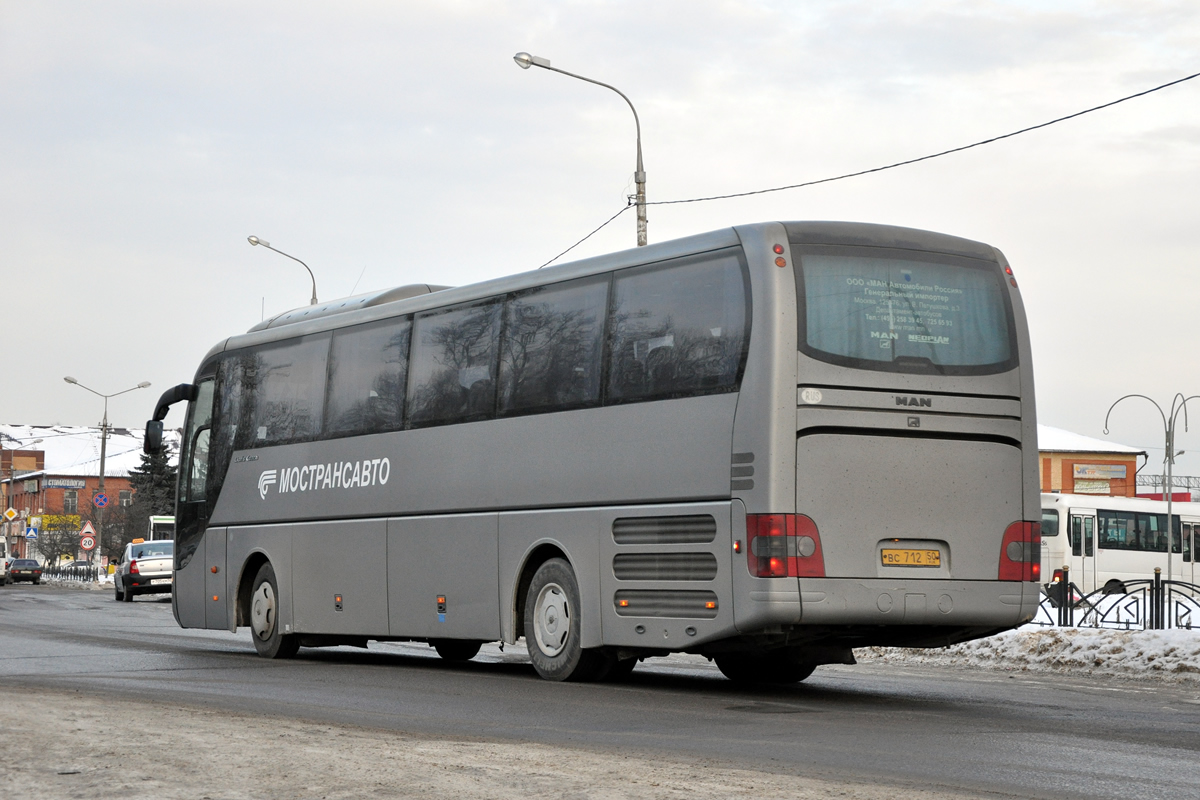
x=335 y=475
x=264 y=482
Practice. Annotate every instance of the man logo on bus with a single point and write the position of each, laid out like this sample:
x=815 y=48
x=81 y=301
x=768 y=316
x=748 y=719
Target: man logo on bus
x=264 y=482
x=924 y=402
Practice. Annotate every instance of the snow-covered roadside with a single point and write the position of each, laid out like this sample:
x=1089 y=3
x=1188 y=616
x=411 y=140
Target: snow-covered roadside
x=1172 y=655
x=105 y=583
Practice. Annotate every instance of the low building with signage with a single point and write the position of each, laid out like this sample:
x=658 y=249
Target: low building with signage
x=1076 y=464
x=53 y=484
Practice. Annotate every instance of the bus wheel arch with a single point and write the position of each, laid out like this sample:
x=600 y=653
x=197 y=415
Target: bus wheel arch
x=246 y=587
x=533 y=562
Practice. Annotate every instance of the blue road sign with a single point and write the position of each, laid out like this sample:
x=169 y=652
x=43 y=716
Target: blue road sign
x=100 y=500
x=31 y=533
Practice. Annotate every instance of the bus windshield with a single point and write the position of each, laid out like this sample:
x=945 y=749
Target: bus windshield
x=901 y=314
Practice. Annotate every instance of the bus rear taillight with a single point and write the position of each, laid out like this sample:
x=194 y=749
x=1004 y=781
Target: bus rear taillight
x=1021 y=552
x=783 y=546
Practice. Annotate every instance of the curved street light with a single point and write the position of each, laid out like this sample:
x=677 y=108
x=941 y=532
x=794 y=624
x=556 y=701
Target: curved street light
x=1178 y=404
x=104 y=438
x=255 y=241
x=525 y=61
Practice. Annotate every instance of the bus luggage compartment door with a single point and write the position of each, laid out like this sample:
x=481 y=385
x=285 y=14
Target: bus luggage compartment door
x=878 y=496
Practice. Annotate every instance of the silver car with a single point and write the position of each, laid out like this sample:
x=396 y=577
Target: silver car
x=144 y=568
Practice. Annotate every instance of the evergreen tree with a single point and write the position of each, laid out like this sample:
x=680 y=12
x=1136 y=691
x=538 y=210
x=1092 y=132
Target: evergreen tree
x=153 y=485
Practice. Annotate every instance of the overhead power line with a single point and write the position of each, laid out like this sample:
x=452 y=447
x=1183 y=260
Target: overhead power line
x=904 y=163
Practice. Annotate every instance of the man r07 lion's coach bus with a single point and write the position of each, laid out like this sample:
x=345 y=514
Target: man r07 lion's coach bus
x=768 y=444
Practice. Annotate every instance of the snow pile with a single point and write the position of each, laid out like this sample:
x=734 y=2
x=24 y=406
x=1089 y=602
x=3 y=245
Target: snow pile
x=1172 y=654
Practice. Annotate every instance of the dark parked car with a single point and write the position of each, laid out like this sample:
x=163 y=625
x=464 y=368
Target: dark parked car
x=25 y=569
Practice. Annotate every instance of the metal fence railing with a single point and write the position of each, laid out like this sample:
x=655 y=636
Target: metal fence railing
x=1146 y=604
x=81 y=574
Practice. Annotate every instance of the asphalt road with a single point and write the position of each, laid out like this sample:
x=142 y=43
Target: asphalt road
x=974 y=731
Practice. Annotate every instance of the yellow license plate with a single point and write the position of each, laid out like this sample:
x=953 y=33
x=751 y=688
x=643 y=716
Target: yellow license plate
x=906 y=557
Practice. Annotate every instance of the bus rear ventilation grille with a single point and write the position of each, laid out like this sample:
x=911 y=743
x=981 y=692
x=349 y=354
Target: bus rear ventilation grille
x=692 y=529
x=678 y=604
x=665 y=566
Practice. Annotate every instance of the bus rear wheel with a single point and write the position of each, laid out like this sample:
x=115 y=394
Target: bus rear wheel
x=269 y=640
x=553 y=630
x=757 y=669
x=456 y=649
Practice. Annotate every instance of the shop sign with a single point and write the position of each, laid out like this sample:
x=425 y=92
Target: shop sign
x=1100 y=471
x=65 y=483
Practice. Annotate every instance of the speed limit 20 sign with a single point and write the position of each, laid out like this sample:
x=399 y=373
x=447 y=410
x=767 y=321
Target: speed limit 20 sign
x=87 y=543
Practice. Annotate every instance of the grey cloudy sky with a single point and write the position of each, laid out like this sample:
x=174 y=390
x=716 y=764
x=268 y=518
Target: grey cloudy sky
x=396 y=142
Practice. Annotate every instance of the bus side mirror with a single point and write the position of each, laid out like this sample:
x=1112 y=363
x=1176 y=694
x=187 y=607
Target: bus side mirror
x=152 y=443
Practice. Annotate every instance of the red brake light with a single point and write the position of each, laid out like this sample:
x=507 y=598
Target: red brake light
x=133 y=567
x=1021 y=552
x=778 y=249
x=783 y=546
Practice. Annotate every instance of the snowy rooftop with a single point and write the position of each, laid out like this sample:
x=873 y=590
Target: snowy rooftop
x=1056 y=440
x=75 y=451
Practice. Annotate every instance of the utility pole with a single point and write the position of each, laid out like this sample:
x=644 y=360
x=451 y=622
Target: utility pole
x=103 y=451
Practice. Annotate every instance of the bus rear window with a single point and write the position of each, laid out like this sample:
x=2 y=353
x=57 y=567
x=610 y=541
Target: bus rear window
x=904 y=314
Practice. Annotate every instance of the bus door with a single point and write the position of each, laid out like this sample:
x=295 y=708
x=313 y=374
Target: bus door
x=1083 y=549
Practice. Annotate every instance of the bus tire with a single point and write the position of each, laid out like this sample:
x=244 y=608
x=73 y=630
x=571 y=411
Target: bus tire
x=269 y=639
x=553 y=630
x=770 y=668
x=1114 y=586
x=456 y=649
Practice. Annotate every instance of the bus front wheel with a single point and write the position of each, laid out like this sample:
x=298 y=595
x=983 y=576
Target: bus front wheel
x=269 y=640
x=553 y=631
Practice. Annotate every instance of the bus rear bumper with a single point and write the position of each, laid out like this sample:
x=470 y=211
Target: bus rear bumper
x=886 y=601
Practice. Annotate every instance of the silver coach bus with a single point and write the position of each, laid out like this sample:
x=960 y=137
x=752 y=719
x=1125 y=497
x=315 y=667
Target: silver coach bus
x=768 y=445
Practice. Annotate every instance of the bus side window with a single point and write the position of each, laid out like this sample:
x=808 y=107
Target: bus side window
x=368 y=373
x=285 y=383
x=453 y=365
x=1076 y=535
x=1088 y=539
x=677 y=329
x=551 y=357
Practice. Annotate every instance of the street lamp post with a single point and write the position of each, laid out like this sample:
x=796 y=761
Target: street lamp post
x=103 y=445
x=525 y=61
x=1178 y=404
x=12 y=477
x=255 y=242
